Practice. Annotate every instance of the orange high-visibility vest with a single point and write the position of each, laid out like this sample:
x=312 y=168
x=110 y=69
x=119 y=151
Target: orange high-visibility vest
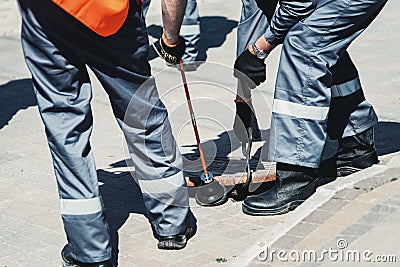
x=104 y=17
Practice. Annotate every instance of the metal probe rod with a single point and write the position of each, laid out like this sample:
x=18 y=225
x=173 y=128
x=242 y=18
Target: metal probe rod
x=196 y=132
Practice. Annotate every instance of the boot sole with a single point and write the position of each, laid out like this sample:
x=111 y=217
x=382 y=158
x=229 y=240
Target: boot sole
x=170 y=245
x=219 y=202
x=346 y=170
x=66 y=264
x=269 y=212
x=371 y=159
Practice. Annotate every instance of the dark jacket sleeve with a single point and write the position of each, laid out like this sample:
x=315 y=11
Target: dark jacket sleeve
x=286 y=16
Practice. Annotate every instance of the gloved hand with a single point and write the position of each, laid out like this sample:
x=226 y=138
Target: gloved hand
x=268 y=7
x=248 y=66
x=244 y=119
x=172 y=53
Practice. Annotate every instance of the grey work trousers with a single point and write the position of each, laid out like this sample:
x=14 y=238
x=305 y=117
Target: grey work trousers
x=318 y=91
x=57 y=49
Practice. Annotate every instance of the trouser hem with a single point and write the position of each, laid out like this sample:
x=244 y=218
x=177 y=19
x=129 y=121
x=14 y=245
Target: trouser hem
x=361 y=129
x=296 y=162
x=88 y=259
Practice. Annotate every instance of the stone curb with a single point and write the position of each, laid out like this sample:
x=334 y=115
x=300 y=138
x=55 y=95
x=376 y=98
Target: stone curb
x=313 y=211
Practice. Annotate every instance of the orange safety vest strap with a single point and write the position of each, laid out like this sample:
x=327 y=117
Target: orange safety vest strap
x=104 y=17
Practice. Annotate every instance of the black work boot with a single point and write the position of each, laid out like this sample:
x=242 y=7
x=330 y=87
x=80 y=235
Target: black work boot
x=68 y=261
x=293 y=185
x=356 y=153
x=179 y=241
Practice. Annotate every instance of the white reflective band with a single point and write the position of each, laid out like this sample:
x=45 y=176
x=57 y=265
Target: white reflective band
x=162 y=185
x=190 y=30
x=299 y=110
x=80 y=206
x=347 y=88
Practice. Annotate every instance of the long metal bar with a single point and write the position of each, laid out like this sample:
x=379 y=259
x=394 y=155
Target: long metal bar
x=193 y=118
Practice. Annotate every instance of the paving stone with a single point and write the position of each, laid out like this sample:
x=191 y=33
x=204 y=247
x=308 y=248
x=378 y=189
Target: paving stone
x=356 y=229
x=303 y=229
x=383 y=209
x=29 y=259
x=318 y=216
x=374 y=182
x=394 y=202
x=348 y=194
x=220 y=216
x=371 y=218
x=202 y=258
x=257 y=263
x=287 y=242
x=375 y=196
x=337 y=242
x=50 y=220
x=7 y=250
x=316 y=239
x=392 y=174
x=187 y=263
x=334 y=205
x=10 y=262
x=309 y=264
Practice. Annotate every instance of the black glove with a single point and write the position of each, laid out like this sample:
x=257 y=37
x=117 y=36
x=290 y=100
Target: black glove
x=268 y=7
x=172 y=54
x=248 y=66
x=245 y=118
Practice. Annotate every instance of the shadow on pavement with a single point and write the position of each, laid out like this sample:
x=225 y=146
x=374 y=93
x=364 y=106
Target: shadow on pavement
x=14 y=96
x=387 y=137
x=217 y=152
x=213 y=32
x=121 y=196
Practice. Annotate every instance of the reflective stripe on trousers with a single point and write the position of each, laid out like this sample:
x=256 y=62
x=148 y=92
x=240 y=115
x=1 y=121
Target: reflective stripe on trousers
x=307 y=80
x=57 y=50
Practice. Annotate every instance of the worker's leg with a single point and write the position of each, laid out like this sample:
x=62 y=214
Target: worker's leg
x=351 y=119
x=253 y=24
x=303 y=97
x=302 y=94
x=349 y=113
x=120 y=63
x=63 y=93
x=190 y=31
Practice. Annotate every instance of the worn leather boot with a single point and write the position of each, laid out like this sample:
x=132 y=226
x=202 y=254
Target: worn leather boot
x=68 y=261
x=179 y=241
x=293 y=185
x=176 y=242
x=356 y=153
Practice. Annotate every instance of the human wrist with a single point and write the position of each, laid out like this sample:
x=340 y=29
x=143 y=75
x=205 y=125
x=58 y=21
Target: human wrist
x=263 y=45
x=170 y=41
x=254 y=50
